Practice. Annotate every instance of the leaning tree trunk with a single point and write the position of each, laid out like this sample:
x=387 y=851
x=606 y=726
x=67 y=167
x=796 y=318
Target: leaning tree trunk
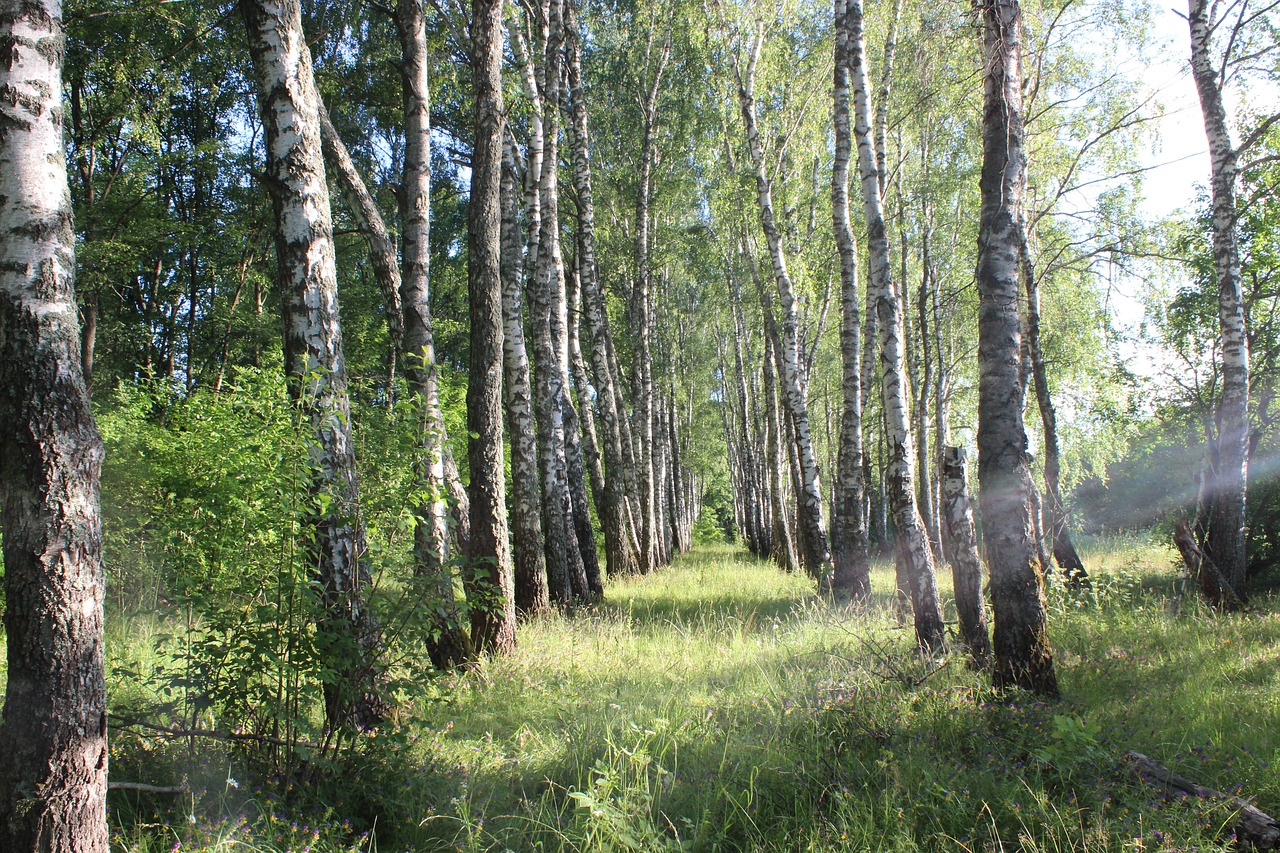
x=289 y=105
x=526 y=492
x=1064 y=550
x=449 y=644
x=1229 y=465
x=1020 y=644
x=53 y=765
x=913 y=552
x=816 y=555
x=966 y=567
x=492 y=583
x=852 y=562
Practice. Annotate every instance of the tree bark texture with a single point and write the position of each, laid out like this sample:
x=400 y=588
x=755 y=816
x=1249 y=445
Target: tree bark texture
x=449 y=643
x=620 y=557
x=53 y=762
x=526 y=491
x=491 y=585
x=813 y=534
x=290 y=108
x=1229 y=458
x=850 y=556
x=966 y=566
x=912 y=548
x=1020 y=643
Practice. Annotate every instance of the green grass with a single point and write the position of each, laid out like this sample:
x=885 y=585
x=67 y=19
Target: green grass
x=721 y=705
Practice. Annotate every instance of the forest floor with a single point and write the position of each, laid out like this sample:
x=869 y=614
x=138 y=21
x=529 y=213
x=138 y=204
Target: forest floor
x=722 y=705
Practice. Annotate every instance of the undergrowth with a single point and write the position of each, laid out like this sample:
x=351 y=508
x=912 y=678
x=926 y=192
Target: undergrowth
x=720 y=705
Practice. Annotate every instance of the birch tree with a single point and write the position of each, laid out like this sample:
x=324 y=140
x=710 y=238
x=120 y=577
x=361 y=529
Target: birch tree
x=492 y=585
x=53 y=766
x=913 y=552
x=1020 y=644
x=314 y=358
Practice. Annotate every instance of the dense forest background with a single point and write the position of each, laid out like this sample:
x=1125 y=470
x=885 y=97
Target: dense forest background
x=728 y=594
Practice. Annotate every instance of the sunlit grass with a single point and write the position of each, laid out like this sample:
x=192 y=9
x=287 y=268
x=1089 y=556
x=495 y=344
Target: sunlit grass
x=722 y=705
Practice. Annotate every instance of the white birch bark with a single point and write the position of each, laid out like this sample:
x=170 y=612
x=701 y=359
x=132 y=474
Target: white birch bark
x=289 y=105
x=817 y=556
x=1229 y=465
x=1020 y=641
x=53 y=762
x=912 y=546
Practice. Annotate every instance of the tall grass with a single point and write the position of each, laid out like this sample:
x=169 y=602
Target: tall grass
x=721 y=705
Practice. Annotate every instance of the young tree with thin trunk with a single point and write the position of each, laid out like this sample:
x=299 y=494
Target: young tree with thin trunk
x=53 y=762
x=1228 y=467
x=492 y=584
x=290 y=108
x=913 y=552
x=966 y=565
x=1020 y=644
x=813 y=538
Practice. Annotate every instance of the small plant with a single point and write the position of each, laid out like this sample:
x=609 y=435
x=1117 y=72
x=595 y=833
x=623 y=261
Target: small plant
x=1073 y=741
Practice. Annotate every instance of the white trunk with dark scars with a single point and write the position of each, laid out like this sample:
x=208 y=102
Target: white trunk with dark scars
x=620 y=556
x=1229 y=468
x=53 y=762
x=816 y=556
x=450 y=644
x=914 y=555
x=526 y=493
x=289 y=106
x=1020 y=641
x=852 y=577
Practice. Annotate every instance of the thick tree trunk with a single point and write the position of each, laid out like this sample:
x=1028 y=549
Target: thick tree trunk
x=1229 y=466
x=914 y=555
x=1023 y=657
x=850 y=556
x=491 y=582
x=289 y=105
x=53 y=763
x=966 y=566
x=816 y=555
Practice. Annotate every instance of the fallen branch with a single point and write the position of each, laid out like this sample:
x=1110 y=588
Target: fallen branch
x=148 y=789
x=211 y=734
x=1251 y=824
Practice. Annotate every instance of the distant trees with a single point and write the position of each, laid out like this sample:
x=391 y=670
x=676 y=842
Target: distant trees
x=53 y=766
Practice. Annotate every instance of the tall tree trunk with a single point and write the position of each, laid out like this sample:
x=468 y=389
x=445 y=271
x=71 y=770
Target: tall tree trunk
x=642 y=308
x=566 y=574
x=526 y=491
x=852 y=562
x=1023 y=657
x=966 y=567
x=620 y=557
x=1064 y=550
x=817 y=556
x=783 y=548
x=913 y=552
x=586 y=406
x=289 y=106
x=491 y=583
x=53 y=766
x=1229 y=460
x=449 y=644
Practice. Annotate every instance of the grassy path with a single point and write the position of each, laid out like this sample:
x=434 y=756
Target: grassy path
x=720 y=705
